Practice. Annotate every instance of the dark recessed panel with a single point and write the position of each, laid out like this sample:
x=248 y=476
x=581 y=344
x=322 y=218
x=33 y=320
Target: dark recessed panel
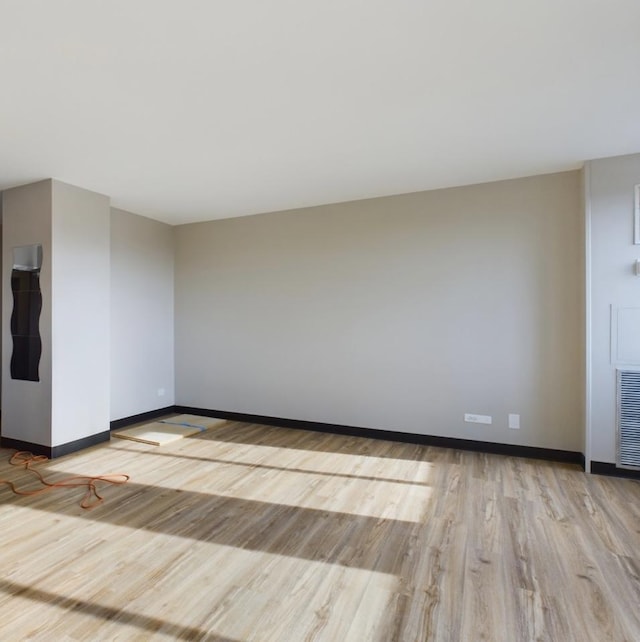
x=25 y=316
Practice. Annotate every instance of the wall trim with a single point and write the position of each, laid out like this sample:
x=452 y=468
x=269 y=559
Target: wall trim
x=143 y=416
x=56 y=451
x=604 y=468
x=588 y=325
x=513 y=450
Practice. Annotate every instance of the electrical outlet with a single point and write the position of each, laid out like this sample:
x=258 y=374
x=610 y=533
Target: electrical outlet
x=514 y=422
x=161 y=392
x=477 y=419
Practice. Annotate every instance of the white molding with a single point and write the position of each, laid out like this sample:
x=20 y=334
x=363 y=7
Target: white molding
x=617 y=359
x=636 y=215
x=587 y=307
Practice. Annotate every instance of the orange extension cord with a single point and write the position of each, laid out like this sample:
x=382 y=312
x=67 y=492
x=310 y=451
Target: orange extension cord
x=91 y=498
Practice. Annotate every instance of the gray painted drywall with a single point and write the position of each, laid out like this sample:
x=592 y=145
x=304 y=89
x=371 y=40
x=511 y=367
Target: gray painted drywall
x=71 y=400
x=610 y=192
x=142 y=308
x=1 y=290
x=398 y=313
x=26 y=405
x=80 y=313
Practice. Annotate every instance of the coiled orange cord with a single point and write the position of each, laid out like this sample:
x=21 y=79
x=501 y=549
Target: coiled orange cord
x=91 y=498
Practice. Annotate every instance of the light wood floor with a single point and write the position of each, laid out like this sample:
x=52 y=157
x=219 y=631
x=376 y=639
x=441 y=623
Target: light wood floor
x=255 y=533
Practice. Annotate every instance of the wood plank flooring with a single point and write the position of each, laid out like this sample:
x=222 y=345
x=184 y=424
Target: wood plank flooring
x=249 y=532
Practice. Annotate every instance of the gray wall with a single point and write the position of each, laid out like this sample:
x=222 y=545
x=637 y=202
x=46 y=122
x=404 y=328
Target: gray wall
x=80 y=313
x=71 y=399
x=397 y=313
x=142 y=308
x=26 y=405
x=114 y=267
x=613 y=285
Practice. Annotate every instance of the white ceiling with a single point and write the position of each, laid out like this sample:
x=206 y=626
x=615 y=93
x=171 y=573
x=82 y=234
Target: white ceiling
x=200 y=109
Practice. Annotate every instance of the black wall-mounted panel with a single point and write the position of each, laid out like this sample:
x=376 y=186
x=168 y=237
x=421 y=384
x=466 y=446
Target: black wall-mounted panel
x=25 y=325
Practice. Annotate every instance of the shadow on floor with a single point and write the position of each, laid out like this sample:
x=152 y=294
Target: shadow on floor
x=280 y=437
x=108 y=614
x=318 y=535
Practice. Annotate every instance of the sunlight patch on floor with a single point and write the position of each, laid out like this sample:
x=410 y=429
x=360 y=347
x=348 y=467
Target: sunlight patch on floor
x=315 y=480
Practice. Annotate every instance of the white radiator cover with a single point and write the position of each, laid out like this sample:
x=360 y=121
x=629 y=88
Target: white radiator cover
x=628 y=419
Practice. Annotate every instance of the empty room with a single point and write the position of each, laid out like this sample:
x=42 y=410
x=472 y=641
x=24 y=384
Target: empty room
x=320 y=321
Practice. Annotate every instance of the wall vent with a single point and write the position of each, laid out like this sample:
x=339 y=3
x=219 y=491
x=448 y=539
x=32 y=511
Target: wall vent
x=628 y=419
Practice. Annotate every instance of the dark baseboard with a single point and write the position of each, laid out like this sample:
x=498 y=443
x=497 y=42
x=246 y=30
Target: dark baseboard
x=512 y=450
x=143 y=416
x=603 y=468
x=55 y=451
x=36 y=449
x=390 y=435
